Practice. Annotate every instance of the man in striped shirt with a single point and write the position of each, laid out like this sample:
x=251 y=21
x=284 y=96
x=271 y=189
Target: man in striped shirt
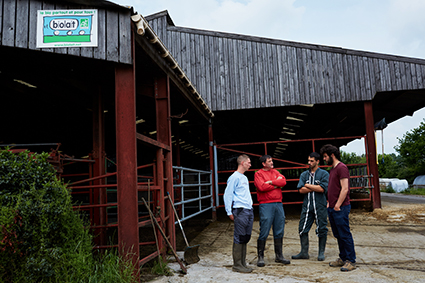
x=313 y=184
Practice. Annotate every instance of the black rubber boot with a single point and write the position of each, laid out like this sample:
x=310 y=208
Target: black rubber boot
x=278 y=251
x=322 y=245
x=304 y=248
x=260 y=251
x=237 y=259
x=243 y=261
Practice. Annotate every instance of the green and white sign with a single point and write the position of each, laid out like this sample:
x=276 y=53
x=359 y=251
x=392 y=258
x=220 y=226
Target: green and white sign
x=66 y=28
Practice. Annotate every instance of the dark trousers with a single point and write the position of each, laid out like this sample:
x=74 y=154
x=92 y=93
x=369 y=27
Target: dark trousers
x=341 y=231
x=271 y=214
x=313 y=212
x=243 y=221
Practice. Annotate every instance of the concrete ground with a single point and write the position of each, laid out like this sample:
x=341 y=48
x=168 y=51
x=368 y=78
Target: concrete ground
x=389 y=242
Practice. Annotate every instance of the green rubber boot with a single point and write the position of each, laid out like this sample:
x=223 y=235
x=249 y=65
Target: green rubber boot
x=304 y=248
x=322 y=245
x=260 y=251
x=237 y=259
x=278 y=244
x=244 y=257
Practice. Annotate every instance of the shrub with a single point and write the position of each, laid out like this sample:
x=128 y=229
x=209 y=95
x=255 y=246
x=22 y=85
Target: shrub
x=42 y=239
x=389 y=189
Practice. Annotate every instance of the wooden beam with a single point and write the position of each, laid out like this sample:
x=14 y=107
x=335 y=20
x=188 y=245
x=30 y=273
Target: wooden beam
x=153 y=142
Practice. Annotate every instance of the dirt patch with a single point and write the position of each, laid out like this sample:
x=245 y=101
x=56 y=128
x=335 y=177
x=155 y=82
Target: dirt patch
x=412 y=214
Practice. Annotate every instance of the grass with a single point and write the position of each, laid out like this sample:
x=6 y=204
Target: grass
x=408 y=191
x=414 y=191
x=160 y=267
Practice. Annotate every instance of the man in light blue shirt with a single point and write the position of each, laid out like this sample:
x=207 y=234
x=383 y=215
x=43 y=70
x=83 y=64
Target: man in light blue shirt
x=238 y=204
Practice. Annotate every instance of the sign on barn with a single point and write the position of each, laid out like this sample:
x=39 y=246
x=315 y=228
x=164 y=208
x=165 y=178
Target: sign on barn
x=66 y=28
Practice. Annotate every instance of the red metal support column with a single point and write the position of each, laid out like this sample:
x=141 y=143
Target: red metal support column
x=99 y=194
x=163 y=128
x=158 y=198
x=371 y=153
x=211 y=151
x=125 y=111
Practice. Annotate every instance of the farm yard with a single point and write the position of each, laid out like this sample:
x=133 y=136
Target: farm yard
x=389 y=246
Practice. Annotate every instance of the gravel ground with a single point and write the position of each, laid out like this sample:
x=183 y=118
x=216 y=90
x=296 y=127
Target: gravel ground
x=389 y=242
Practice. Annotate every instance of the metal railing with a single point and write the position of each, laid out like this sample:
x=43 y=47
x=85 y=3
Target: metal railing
x=193 y=192
x=360 y=177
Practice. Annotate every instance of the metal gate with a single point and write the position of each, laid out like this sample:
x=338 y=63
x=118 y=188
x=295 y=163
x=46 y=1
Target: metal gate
x=193 y=191
x=360 y=177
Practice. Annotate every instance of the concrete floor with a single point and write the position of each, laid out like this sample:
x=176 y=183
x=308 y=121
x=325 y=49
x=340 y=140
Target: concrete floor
x=389 y=242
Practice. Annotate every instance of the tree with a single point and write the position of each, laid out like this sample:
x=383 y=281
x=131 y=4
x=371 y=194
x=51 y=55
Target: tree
x=412 y=152
x=352 y=158
x=388 y=166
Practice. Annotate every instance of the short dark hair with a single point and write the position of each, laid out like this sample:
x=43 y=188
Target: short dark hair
x=315 y=155
x=330 y=149
x=264 y=158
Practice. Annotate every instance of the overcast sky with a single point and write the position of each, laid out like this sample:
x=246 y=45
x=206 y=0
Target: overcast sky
x=384 y=26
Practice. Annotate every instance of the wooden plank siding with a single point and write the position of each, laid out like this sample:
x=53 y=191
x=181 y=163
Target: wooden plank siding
x=18 y=22
x=234 y=71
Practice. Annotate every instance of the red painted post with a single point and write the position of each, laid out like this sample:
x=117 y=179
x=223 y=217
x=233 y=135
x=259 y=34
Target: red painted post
x=99 y=166
x=158 y=198
x=371 y=153
x=211 y=152
x=125 y=111
x=163 y=128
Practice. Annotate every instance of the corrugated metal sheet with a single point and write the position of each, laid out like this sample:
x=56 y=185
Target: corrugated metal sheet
x=233 y=71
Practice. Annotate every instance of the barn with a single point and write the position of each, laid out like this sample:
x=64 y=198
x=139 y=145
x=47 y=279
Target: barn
x=139 y=109
x=287 y=98
x=109 y=110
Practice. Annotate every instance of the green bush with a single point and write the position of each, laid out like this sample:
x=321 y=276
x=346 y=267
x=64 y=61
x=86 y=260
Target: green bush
x=389 y=189
x=42 y=239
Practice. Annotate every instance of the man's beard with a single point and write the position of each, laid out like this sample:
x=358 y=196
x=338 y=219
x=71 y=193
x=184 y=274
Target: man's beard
x=330 y=161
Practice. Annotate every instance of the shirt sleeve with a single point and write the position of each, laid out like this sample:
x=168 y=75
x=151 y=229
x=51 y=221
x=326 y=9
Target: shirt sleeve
x=302 y=180
x=343 y=172
x=228 y=194
x=279 y=182
x=259 y=182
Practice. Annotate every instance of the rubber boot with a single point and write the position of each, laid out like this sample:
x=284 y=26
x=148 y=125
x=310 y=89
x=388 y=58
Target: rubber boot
x=244 y=258
x=237 y=259
x=322 y=245
x=260 y=251
x=304 y=248
x=278 y=251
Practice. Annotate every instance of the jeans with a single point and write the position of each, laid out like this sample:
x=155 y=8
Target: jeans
x=341 y=231
x=271 y=214
x=243 y=221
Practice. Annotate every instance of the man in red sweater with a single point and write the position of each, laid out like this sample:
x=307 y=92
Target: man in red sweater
x=269 y=182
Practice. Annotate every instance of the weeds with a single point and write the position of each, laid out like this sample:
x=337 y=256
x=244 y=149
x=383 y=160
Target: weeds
x=161 y=268
x=414 y=191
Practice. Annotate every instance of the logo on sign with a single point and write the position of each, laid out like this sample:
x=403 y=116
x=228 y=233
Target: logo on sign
x=64 y=24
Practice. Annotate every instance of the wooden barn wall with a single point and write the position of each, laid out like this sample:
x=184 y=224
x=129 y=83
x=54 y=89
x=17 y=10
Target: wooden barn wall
x=18 y=20
x=241 y=72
